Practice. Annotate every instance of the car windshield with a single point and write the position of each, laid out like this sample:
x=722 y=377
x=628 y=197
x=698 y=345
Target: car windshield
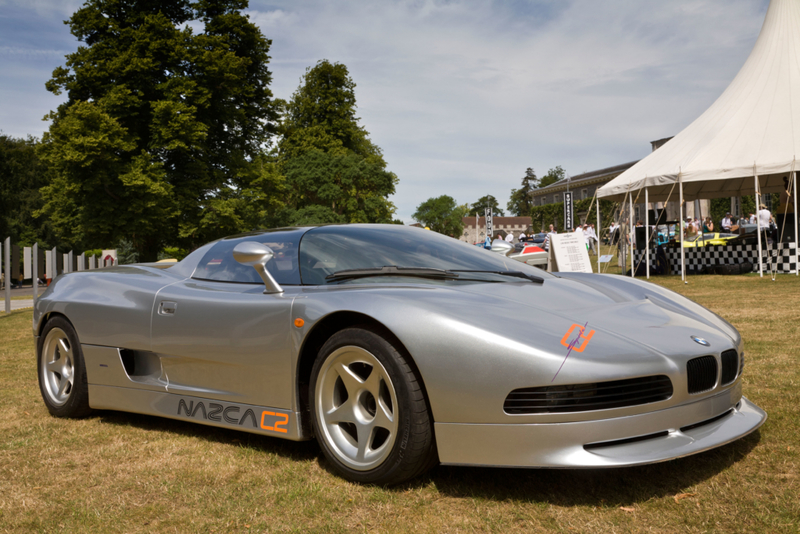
x=328 y=250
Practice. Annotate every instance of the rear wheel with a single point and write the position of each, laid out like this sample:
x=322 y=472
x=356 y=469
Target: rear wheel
x=62 y=372
x=369 y=412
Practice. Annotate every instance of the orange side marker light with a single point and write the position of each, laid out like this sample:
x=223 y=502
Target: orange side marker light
x=299 y=322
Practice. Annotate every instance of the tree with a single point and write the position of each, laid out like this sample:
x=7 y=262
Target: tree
x=334 y=173
x=520 y=202
x=441 y=214
x=22 y=174
x=553 y=176
x=480 y=206
x=158 y=136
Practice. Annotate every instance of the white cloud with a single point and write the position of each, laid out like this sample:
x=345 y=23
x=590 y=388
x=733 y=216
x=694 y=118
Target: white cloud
x=463 y=95
x=45 y=8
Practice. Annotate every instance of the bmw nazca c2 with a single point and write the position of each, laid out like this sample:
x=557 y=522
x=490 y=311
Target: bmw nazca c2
x=397 y=348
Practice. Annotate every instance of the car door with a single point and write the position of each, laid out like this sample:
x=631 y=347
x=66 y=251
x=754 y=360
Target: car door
x=224 y=341
x=220 y=337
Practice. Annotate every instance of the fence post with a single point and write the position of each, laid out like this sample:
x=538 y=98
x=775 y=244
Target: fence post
x=35 y=273
x=7 y=261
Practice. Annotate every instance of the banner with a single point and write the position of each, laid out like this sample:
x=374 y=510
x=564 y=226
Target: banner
x=568 y=227
x=489 y=236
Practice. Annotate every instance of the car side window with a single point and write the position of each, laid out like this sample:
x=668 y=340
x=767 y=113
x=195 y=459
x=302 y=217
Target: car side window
x=219 y=265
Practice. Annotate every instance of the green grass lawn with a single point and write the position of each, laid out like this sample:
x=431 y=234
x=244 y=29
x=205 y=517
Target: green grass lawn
x=118 y=472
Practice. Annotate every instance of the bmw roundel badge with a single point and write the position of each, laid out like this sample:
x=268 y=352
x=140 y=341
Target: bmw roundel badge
x=701 y=341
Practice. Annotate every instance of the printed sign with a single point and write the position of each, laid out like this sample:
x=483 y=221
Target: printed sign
x=488 y=213
x=568 y=253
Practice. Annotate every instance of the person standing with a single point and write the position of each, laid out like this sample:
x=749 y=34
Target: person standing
x=592 y=237
x=622 y=246
x=726 y=223
x=764 y=220
x=547 y=239
x=509 y=237
x=613 y=233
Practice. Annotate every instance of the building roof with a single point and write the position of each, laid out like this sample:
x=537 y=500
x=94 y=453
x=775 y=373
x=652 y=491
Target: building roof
x=585 y=178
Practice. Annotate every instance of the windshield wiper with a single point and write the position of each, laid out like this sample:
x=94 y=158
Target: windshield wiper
x=391 y=270
x=515 y=274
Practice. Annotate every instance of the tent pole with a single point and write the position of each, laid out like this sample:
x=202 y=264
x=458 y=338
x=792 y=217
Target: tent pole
x=680 y=223
x=647 y=232
x=632 y=235
x=599 y=233
x=758 y=224
x=796 y=242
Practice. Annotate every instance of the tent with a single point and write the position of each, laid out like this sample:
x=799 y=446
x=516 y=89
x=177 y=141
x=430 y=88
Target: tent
x=748 y=138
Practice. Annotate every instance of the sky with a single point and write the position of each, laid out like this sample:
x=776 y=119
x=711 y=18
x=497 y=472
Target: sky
x=463 y=96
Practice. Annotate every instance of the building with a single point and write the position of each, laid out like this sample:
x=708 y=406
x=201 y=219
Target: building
x=584 y=186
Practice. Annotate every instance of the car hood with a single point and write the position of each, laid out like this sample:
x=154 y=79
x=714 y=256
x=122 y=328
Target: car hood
x=621 y=312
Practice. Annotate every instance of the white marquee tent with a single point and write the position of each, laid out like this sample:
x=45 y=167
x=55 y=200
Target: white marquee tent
x=749 y=137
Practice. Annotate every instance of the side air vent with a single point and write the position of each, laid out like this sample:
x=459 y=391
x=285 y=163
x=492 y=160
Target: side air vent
x=702 y=373
x=588 y=397
x=730 y=366
x=128 y=361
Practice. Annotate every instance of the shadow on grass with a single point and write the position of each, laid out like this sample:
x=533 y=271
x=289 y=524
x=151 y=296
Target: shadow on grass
x=292 y=450
x=611 y=487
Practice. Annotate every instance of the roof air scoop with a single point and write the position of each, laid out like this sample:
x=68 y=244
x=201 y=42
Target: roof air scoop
x=257 y=255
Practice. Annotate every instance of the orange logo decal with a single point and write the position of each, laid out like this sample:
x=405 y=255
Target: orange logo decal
x=581 y=336
x=277 y=426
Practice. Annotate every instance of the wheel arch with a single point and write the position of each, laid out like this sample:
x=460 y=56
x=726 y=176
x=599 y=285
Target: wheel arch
x=317 y=337
x=46 y=318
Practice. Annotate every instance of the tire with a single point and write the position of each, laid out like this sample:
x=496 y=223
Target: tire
x=369 y=411
x=61 y=370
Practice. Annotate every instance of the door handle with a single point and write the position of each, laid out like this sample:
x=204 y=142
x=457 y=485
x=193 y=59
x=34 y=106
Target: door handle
x=167 y=308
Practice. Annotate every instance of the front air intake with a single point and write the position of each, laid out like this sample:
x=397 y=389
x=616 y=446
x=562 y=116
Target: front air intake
x=588 y=397
x=730 y=366
x=702 y=373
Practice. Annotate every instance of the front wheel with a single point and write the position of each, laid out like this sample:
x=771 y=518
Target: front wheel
x=62 y=372
x=369 y=412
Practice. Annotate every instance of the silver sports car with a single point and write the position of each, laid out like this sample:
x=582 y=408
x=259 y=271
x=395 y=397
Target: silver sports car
x=397 y=348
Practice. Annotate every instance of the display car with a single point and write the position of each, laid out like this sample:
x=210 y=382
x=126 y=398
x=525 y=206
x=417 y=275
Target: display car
x=528 y=253
x=709 y=238
x=396 y=349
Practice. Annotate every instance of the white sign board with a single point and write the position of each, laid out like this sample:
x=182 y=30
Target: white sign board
x=568 y=253
x=26 y=263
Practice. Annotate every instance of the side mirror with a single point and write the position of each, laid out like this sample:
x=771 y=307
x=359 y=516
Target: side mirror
x=257 y=255
x=501 y=247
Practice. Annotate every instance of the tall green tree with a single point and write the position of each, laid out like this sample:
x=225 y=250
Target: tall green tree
x=553 y=175
x=22 y=174
x=334 y=173
x=488 y=201
x=157 y=139
x=441 y=214
x=521 y=200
